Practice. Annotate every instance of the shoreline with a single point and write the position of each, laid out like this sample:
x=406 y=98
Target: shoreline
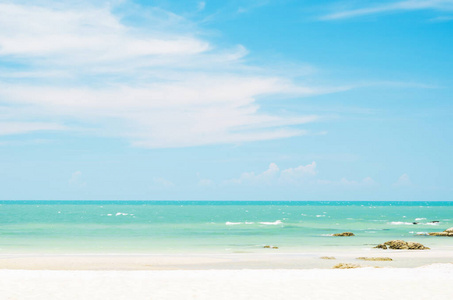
x=222 y=261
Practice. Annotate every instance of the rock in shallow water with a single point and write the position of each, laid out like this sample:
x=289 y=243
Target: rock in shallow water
x=344 y=234
x=446 y=232
x=401 y=245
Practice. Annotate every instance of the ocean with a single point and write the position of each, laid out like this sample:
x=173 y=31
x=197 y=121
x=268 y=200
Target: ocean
x=147 y=227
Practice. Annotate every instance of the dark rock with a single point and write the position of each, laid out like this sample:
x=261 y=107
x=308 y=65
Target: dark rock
x=402 y=245
x=439 y=234
x=416 y=246
x=344 y=234
x=397 y=244
x=446 y=232
x=381 y=246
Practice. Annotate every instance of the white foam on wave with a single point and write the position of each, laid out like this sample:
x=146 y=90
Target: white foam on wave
x=251 y=223
x=239 y=223
x=272 y=223
x=233 y=223
x=121 y=214
x=320 y=216
x=419 y=219
x=419 y=233
x=431 y=223
x=401 y=223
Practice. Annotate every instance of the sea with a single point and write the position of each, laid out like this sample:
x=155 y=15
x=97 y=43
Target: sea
x=148 y=227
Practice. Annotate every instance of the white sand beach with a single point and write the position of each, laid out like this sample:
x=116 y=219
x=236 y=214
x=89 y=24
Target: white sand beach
x=429 y=282
x=410 y=275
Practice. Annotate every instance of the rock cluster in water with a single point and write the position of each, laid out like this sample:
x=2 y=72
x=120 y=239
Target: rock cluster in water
x=344 y=234
x=269 y=247
x=447 y=232
x=401 y=245
x=327 y=257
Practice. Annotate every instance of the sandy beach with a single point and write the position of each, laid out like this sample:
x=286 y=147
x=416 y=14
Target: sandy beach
x=429 y=282
x=411 y=274
x=273 y=259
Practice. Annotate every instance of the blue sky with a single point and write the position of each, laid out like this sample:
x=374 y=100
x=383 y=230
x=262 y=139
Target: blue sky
x=226 y=100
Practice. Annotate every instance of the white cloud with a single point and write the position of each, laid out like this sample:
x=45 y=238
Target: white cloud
x=10 y=128
x=84 y=35
x=441 y=5
x=267 y=176
x=403 y=181
x=273 y=175
x=158 y=85
x=303 y=175
x=299 y=171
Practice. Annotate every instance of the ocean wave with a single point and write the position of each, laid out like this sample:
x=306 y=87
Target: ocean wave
x=121 y=214
x=233 y=223
x=239 y=223
x=420 y=219
x=278 y=222
x=401 y=223
x=320 y=216
x=419 y=232
x=414 y=223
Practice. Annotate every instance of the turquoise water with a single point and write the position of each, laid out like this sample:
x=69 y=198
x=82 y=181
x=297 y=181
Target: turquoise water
x=213 y=227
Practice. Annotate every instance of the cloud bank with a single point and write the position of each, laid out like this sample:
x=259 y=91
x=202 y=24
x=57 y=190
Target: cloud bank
x=145 y=75
x=303 y=175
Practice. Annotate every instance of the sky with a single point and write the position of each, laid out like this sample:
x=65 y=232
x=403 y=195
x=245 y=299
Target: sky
x=226 y=100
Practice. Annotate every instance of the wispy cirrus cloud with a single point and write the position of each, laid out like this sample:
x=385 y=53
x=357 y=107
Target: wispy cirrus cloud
x=11 y=128
x=410 y=5
x=154 y=83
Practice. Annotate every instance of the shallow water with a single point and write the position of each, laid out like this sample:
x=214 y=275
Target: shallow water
x=217 y=227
